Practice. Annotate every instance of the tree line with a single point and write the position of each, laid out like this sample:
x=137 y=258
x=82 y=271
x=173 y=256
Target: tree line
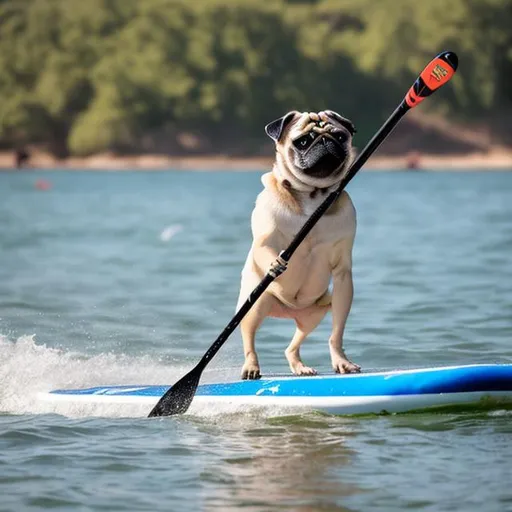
x=83 y=76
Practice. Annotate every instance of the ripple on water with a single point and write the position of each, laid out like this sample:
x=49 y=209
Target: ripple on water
x=114 y=298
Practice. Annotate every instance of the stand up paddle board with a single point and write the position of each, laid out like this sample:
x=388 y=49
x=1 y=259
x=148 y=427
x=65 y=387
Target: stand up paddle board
x=373 y=392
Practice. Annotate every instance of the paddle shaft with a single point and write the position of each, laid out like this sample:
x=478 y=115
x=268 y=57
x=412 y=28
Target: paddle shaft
x=178 y=398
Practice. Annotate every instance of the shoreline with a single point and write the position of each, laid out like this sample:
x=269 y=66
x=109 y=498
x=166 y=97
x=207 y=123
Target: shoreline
x=493 y=160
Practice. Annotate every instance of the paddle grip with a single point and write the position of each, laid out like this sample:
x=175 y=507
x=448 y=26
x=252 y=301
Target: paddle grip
x=437 y=72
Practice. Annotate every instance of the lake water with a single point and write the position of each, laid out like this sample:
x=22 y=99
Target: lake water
x=128 y=277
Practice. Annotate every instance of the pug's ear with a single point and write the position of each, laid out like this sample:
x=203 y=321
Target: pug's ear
x=347 y=123
x=275 y=129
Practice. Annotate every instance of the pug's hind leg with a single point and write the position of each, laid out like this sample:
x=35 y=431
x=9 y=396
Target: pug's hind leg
x=248 y=326
x=306 y=320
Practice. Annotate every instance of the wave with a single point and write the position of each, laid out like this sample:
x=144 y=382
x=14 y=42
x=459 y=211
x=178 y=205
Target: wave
x=28 y=369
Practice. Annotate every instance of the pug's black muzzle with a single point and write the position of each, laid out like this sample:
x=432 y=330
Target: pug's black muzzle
x=324 y=157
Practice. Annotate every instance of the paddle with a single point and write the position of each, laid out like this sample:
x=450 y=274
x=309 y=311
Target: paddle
x=179 y=397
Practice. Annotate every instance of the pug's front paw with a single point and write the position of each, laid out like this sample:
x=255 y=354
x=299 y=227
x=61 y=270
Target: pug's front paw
x=343 y=365
x=251 y=369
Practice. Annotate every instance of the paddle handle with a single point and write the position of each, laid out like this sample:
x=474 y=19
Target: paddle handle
x=436 y=73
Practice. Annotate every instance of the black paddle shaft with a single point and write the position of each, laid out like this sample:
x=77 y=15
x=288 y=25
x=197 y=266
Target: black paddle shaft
x=178 y=398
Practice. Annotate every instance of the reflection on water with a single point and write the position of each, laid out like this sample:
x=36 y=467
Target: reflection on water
x=292 y=461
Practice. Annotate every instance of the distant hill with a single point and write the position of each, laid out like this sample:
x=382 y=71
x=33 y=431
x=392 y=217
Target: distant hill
x=177 y=77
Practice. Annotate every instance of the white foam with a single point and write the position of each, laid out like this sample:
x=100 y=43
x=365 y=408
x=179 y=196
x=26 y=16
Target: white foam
x=28 y=369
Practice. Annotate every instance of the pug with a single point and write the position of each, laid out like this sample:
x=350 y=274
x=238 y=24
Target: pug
x=313 y=152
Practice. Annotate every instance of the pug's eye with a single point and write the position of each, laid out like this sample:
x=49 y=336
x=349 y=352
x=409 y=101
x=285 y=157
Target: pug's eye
x=341 y=136
x=305 y=141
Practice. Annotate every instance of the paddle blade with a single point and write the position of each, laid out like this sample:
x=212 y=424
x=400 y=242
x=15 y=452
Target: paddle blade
x=177 y=400
x=435 y=75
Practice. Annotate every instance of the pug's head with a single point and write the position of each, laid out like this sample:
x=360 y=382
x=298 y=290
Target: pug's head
x=313 y=149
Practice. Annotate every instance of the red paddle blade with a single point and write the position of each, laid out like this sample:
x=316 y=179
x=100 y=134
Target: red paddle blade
x=438 y=72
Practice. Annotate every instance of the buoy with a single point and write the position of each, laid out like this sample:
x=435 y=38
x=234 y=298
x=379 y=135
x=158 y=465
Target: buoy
x=42 y=185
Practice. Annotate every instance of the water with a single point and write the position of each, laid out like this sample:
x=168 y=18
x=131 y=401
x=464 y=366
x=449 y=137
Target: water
x=112 y=278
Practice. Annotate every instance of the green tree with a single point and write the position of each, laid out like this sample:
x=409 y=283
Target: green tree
x=126 y=75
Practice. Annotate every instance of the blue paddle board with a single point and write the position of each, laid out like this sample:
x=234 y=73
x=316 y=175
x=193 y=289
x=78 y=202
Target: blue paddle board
x=373 y=392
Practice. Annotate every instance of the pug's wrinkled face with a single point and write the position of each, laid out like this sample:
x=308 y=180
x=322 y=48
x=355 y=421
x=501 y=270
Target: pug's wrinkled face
x=315 y=147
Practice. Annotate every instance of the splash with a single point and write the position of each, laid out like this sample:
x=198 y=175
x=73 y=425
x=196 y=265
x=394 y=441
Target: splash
x=28 y=369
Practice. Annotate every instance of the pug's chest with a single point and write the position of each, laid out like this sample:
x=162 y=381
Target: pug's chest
x=322 y=238
x=313 y=258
